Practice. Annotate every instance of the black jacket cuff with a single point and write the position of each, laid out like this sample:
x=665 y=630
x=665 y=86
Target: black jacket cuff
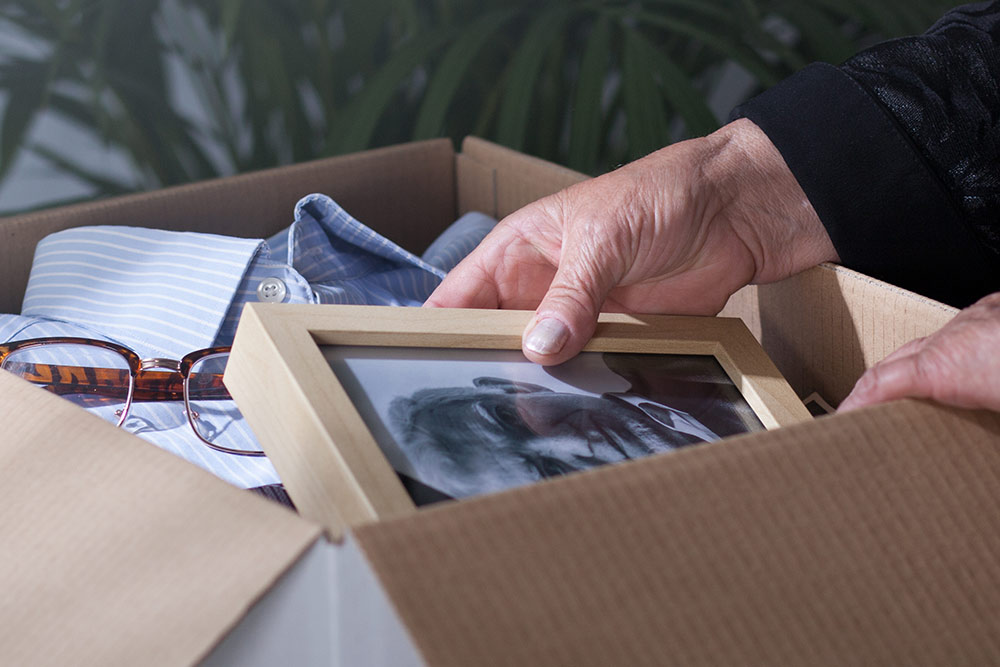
x=887 y=213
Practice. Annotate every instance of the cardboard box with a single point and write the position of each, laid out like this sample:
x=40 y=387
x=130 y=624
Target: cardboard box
x=866 y=538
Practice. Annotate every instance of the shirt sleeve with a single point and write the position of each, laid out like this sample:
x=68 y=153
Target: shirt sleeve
x=898 y=150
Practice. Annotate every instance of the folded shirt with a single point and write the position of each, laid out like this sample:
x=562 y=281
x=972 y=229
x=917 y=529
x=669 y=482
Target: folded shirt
x=164 y=294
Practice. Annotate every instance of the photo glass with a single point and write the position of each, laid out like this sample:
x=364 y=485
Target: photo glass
x=457 y=423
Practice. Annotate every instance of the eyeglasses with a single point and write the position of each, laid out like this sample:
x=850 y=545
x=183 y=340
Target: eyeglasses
x=107 y=378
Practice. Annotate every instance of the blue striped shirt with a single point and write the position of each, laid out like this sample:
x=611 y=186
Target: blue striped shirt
x=164 y=294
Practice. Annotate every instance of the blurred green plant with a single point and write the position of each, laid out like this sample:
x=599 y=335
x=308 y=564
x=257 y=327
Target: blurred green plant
x=590 y=84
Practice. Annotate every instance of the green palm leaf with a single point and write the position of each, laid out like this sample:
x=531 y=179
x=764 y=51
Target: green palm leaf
x=26 y=99
x=83 y=172
x=732 y=49
x=361 y=116
x=586 y=122
x=585 y=83
x=685 y=99
x=449 y=73
x=646 y=127
x=521 y=75
x=820 y=35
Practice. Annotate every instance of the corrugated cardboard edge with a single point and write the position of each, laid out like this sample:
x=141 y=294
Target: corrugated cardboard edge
x=825 y=326
x=117 y=553
x=419 y=175
x=867 y=538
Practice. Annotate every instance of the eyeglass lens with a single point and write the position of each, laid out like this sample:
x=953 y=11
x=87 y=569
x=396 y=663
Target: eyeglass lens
x=212 y=413
x=99 y=380
x=92 y=377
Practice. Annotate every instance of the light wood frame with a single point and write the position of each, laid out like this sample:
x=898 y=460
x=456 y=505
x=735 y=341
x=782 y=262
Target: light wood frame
x=327 y=458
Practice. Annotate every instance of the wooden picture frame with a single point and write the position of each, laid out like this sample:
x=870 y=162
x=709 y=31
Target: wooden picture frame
x=327 y=456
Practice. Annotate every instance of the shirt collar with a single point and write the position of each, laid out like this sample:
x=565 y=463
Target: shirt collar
x=162 y=293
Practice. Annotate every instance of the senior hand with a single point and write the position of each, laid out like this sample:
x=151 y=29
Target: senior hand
x=957 y=365
x=675 y=232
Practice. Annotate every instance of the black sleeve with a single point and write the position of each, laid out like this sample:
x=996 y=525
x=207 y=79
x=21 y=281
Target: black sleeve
x=898 y=150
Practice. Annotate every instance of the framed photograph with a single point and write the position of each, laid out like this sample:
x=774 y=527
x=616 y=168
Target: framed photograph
x=369 y=412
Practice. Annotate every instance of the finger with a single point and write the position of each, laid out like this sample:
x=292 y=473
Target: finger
x=906 y=349
x=465 y=286
x=859 y=391
x=902 y=377
x=567 y=315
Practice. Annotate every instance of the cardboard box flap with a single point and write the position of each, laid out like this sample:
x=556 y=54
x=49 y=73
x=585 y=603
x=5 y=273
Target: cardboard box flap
x=117 y=553
x=419 y=176
x=865 y=538
x=825 y=326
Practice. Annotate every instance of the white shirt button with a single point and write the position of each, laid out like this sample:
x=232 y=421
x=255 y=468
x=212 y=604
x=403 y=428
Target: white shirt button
x=271 y=290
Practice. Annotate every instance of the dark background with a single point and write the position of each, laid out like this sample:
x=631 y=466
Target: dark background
x=101 y=97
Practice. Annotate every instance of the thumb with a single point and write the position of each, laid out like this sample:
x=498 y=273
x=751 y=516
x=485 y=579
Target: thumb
x=901 y=374
x=566 y=318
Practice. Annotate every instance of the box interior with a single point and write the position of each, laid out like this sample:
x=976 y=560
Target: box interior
x=825 y=326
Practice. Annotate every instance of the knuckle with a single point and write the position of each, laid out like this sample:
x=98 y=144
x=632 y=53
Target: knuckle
x=571 y=301
x=868 y=383
x=927 y=369
x=990 y=301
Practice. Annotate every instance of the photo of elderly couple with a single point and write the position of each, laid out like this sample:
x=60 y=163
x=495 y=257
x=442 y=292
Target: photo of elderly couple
x=458 y=423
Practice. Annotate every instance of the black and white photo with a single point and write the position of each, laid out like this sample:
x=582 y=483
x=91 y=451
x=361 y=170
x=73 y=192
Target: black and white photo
x=465 y=422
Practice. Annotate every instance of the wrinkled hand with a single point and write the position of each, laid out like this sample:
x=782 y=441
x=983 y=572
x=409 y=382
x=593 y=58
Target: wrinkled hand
x=957 y=365
x=676 y=232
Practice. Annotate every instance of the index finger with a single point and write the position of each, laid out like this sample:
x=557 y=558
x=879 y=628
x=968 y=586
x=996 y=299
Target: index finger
x=465 y=286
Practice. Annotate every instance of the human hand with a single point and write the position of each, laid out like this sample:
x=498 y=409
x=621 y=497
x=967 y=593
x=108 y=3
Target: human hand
x=675 y=232
x=957 y=365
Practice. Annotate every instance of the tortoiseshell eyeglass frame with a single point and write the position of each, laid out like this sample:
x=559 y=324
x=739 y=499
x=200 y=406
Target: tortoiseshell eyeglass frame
x=145 y=380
